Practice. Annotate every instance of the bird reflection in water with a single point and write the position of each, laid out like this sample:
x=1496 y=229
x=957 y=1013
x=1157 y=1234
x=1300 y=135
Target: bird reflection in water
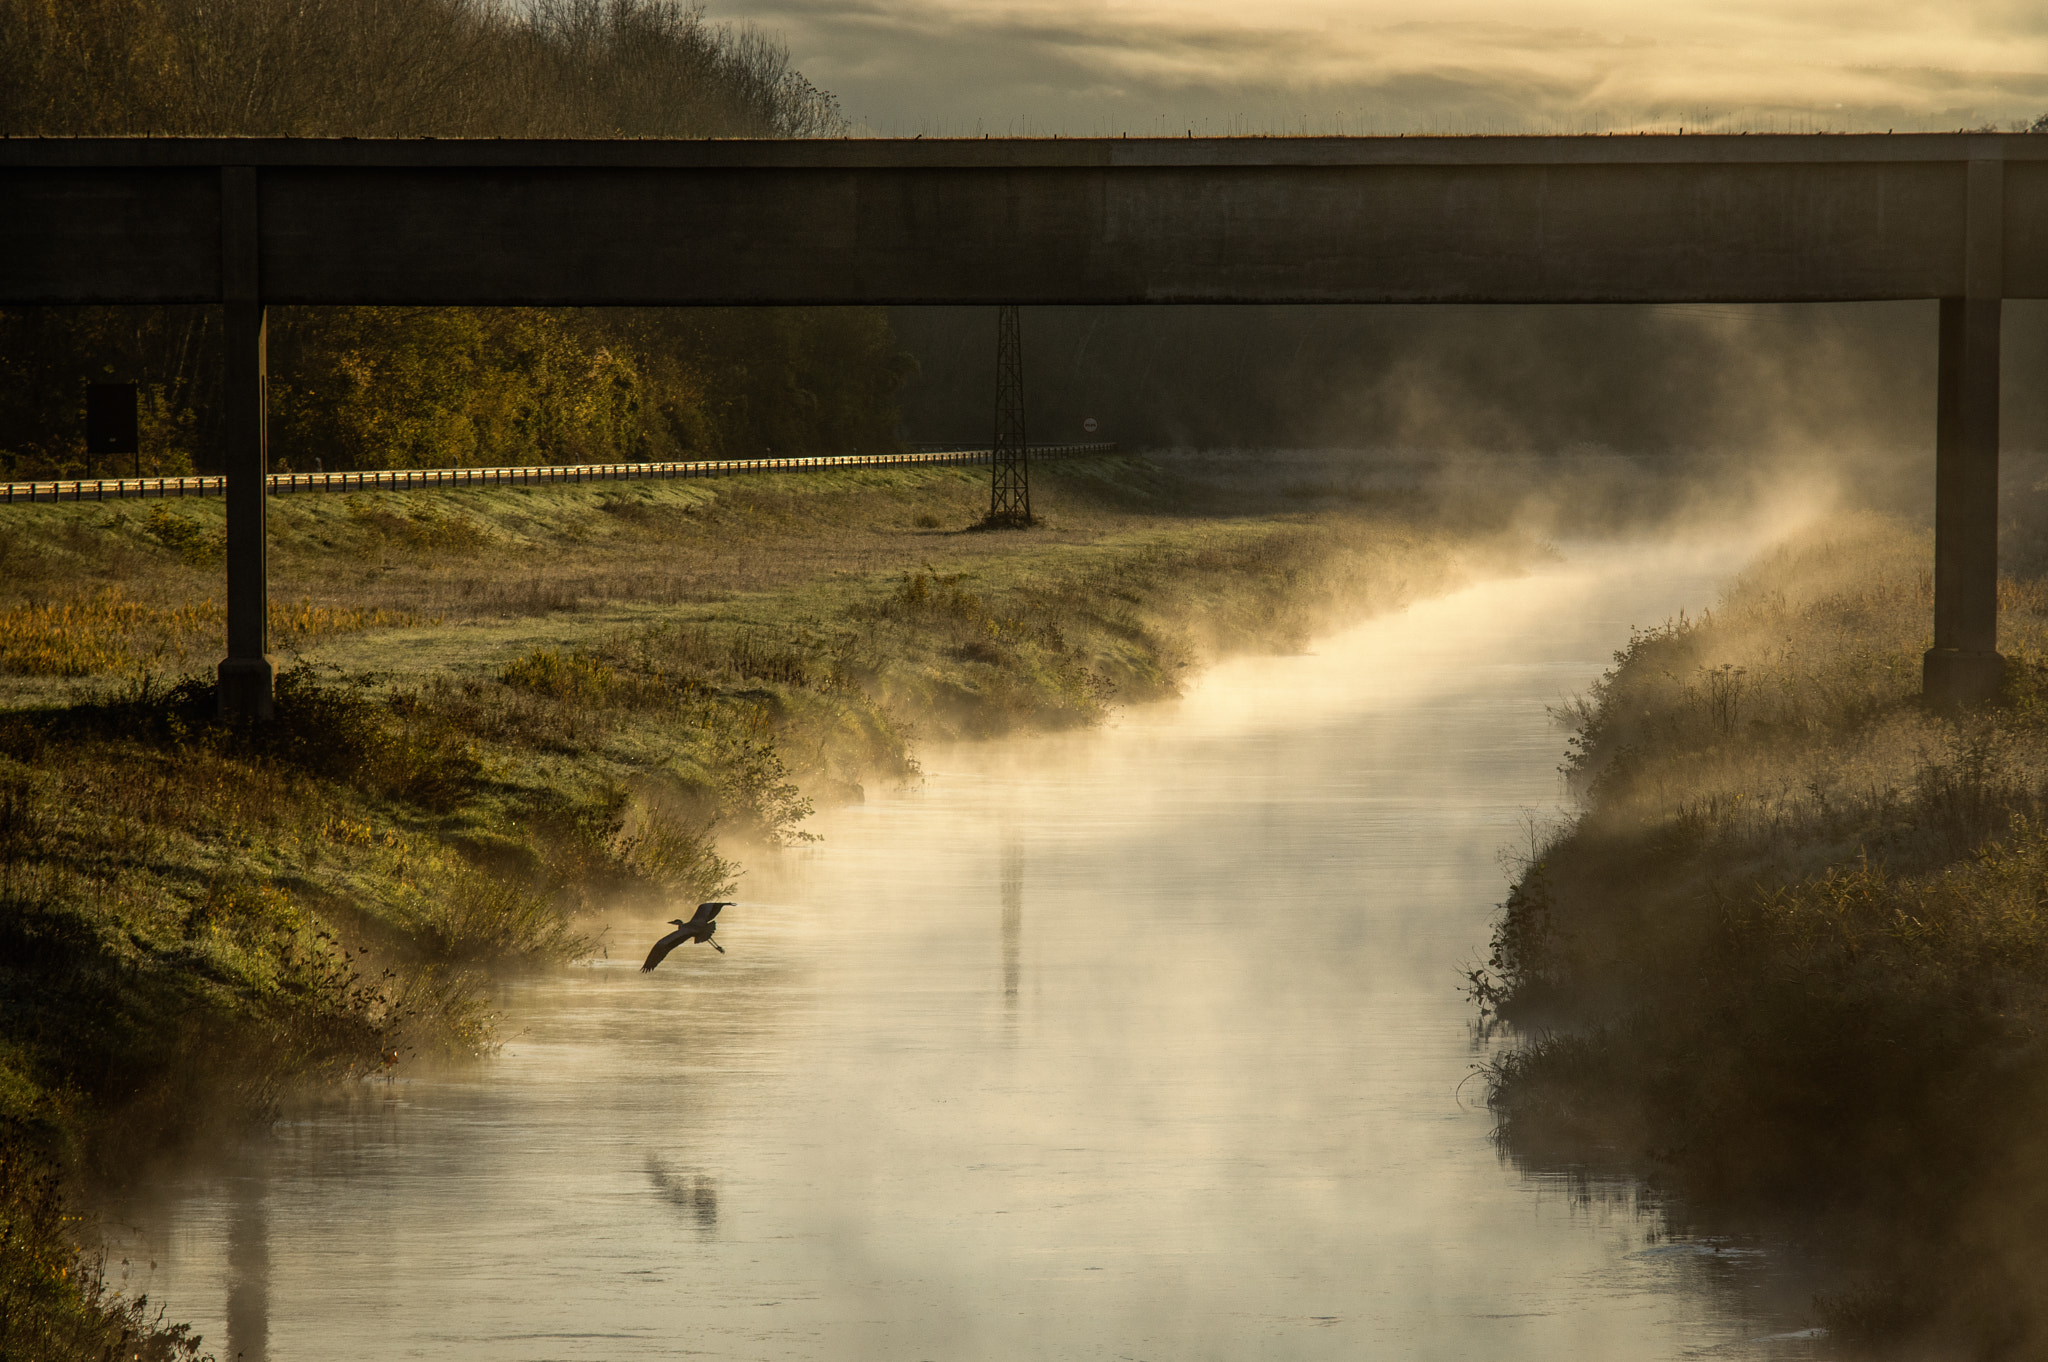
x=248 y=1308
x=1013 y=922
x=692 y=1192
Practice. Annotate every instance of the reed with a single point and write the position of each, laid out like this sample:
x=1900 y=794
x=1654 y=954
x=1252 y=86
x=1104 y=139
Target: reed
x=55 y=1304
x=1792 y=953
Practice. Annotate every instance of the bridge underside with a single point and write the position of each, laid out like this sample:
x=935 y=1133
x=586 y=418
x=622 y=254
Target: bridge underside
x=1962 y=218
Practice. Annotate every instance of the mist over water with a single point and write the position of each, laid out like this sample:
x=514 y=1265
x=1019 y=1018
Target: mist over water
x=1146 y=1042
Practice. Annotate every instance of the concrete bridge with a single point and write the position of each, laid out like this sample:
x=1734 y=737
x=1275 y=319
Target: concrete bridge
x=1962 y=218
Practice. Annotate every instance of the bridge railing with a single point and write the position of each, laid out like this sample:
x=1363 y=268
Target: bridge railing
x=422 y=479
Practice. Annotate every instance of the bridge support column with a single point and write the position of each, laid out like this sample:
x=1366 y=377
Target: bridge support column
x=1963 y=667
x=246 y=673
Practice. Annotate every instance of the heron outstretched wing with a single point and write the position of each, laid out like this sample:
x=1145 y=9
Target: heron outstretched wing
x=707 y=911
x=664 y=946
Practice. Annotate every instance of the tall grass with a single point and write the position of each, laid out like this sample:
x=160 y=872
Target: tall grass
x=108 y=633
x=1794 y=950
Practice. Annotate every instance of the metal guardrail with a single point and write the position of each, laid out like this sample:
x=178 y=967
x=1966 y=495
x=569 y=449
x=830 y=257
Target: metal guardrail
x=421 y=479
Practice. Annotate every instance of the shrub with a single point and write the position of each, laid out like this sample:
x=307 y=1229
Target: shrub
x=191 y=541
x=561 y=676
x=55 y=1305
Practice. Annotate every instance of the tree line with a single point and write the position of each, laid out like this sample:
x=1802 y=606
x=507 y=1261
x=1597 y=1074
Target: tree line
x=427 y=387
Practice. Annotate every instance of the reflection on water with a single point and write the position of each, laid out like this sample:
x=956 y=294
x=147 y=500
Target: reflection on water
x=691 y=1192
x=248 y=1294
x=1013 y=922
x=1221 y=1105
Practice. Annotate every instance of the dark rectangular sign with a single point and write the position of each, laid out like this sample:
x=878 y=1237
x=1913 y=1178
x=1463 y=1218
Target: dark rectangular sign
x=110 y=424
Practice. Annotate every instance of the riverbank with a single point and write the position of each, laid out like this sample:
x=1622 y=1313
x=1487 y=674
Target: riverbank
x=1791 y=957
x=1167 y=1000
x=501 y=706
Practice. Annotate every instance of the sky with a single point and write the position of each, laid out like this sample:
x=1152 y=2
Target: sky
x=1074 y=68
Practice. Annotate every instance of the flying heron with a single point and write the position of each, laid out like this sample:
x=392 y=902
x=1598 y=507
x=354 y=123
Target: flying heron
x=698 y=928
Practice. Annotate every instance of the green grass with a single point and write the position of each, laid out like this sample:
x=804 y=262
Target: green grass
x=1793 y=955
x=503 y=708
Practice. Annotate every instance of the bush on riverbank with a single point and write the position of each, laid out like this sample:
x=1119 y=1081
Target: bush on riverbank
x=55 y=1305
x=1795 y=945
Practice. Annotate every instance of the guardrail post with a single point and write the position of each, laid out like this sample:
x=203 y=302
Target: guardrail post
x=1963 y=667
x=245 y=673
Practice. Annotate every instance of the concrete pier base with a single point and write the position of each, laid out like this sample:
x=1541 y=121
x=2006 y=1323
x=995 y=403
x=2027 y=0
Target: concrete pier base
x=1952 y=678
x=245 y=687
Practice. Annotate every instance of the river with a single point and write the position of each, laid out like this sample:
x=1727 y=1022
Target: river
x=1145 y=1042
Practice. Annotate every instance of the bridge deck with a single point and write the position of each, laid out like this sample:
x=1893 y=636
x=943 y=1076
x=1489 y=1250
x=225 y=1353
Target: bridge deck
x=1407 y=219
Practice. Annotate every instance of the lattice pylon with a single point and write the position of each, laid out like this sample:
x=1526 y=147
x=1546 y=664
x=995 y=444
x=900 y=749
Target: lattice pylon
x=1009 y=498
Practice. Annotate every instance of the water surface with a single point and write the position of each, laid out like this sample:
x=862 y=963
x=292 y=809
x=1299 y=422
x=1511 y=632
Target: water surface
x=1146 y=1042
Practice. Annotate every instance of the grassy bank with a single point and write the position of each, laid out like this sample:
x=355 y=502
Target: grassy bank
x=1793 y=955
x=501 y=707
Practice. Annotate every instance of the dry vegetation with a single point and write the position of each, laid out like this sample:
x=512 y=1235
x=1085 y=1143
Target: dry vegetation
x=502 y=708
x=54 y=1300
x=1795 y=949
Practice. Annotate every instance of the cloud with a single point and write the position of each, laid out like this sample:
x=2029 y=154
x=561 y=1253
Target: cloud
x=1055 y=66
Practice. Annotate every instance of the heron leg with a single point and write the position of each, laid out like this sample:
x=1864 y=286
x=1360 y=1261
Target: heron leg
x=716 y=947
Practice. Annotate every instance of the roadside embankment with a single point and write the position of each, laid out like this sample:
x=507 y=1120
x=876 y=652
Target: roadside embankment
x=498 y=708
x=1792 y=956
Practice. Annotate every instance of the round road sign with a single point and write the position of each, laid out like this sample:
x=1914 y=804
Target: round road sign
x=1089 y=425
